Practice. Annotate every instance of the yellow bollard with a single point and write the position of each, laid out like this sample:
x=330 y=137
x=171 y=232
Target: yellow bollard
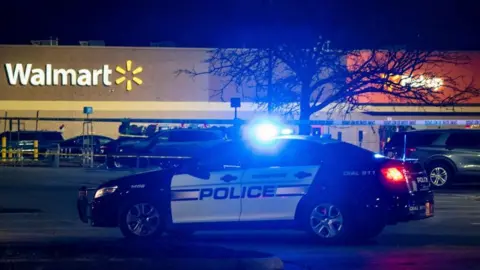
x=10 y=153
x=35 y=150
x=4 y=149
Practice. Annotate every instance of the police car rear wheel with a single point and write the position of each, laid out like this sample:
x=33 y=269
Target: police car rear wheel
x=141 y=220
x=330 y=223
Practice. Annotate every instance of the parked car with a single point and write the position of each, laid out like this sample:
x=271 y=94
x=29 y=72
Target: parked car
x=164 y=148
x=24 y=140
x=448 y=155
x=71 y=149
x=112 y=148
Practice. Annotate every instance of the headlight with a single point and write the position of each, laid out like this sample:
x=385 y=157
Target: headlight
x=105 y=191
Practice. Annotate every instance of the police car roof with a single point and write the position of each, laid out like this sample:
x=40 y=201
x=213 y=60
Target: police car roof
x=317 y=139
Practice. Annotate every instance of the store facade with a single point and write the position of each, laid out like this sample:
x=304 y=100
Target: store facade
x=58 y=81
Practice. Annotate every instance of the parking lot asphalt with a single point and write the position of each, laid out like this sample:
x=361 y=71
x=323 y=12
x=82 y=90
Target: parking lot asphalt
x=38 y=206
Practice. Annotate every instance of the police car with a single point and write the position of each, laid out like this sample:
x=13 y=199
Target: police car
x=334 y=191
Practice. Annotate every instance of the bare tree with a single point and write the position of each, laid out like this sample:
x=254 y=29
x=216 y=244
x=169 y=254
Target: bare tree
x=305 y=80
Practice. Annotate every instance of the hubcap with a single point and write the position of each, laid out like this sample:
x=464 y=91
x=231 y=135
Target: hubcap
x=438 y=176
x=326 y=220
x=143 y=219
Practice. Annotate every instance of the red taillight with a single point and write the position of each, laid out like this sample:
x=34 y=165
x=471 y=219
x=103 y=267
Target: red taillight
x=393 y=174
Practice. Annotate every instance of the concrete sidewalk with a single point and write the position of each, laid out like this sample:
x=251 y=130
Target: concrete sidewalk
x=127 y=255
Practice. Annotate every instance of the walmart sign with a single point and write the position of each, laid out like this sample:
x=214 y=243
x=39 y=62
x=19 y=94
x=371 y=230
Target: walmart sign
x=26 y=74
x=48 y=75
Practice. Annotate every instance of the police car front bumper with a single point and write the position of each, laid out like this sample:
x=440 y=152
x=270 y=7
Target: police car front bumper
x=83 y=205
x=100 y=212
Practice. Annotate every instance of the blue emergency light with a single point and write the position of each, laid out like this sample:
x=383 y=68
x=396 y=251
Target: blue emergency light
x=264 y=130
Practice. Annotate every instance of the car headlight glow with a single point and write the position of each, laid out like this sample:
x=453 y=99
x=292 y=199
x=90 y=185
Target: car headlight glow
x=105 y=191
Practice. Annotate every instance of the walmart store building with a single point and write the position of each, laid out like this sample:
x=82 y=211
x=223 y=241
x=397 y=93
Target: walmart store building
x=59 y=81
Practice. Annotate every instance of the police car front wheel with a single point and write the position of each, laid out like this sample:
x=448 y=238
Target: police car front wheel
x=141 y=220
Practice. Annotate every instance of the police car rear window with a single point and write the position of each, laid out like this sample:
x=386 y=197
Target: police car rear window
x=345 y=152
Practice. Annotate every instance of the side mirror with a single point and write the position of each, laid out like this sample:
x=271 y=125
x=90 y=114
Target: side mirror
x=200 y=171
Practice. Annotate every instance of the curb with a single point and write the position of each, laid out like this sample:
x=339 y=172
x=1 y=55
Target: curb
x=268 y=263
x=460 y=195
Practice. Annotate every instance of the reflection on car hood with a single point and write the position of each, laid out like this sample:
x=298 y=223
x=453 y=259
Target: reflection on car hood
x=153 y=175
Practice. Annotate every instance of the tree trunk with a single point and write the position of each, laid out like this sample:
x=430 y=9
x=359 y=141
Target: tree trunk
x=270 y=77
x=305 y=129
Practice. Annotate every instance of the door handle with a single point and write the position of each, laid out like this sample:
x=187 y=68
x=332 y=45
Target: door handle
x=228 y=178
x=301 y=175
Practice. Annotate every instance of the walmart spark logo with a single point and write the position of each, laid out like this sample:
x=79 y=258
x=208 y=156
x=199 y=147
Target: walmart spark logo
x=132 y=75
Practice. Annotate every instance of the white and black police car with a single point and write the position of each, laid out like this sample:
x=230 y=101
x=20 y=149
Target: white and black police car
x=333 y=190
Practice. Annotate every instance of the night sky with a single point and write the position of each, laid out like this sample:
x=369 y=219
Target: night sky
x=349 y=24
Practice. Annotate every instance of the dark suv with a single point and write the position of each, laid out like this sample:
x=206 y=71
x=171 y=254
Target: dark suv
x=446 y=154
x=168 y=143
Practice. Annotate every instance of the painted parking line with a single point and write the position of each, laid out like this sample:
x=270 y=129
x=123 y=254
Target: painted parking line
x=456 y=195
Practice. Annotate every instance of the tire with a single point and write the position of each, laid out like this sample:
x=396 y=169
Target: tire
x=331 y=223
x=440 y=174
x=142 y=220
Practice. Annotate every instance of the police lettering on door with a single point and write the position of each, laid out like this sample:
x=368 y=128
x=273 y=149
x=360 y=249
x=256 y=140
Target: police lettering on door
x=233 y=193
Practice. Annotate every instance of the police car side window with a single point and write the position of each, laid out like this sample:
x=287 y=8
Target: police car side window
x=225 y=156
x=299 y=153
x=289 y=154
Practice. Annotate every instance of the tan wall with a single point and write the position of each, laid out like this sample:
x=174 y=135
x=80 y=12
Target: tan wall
x=159 y=66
